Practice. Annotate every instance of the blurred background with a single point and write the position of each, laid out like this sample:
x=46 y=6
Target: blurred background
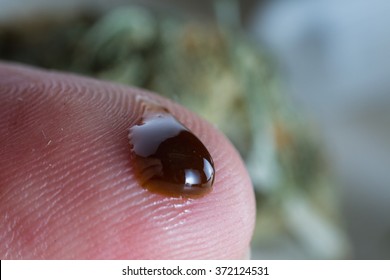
x=301 y=88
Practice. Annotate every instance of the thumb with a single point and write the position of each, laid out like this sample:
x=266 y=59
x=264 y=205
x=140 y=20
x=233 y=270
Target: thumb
x=68 y=188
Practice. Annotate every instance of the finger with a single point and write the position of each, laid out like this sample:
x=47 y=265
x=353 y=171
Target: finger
x=67 y=185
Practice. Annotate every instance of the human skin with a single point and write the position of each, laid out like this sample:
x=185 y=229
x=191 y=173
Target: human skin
x=67 y=185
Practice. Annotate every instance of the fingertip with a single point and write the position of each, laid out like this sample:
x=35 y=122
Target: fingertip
x=68 y=188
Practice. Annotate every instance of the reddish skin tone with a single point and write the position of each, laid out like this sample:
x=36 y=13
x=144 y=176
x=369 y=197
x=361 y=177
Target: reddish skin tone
x=67 y=188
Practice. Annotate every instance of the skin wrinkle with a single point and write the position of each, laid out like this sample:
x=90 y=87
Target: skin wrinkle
x=81 y=199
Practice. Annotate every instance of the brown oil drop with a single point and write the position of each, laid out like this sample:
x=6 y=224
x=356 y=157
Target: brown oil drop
x=168 y=158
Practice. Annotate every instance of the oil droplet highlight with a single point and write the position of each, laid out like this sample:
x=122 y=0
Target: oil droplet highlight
x=168 y=158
